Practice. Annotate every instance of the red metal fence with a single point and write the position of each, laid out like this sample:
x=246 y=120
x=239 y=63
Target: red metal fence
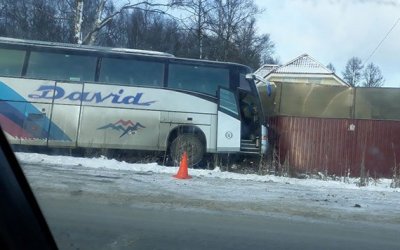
x=334 y=129
x=336 y=146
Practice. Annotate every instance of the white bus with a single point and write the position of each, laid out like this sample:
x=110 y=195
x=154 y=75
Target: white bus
x=65 y=95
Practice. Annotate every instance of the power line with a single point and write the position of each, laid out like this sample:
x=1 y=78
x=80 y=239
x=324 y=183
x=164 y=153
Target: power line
x=380 y=43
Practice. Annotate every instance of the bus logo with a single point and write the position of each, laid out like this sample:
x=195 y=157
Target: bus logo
x=57 y=92
x=126 y=127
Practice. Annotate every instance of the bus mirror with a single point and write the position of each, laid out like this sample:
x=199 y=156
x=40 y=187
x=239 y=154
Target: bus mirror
x=250 y=77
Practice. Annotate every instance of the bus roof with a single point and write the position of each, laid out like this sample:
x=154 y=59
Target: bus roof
x=82 y=47
x=16 y=41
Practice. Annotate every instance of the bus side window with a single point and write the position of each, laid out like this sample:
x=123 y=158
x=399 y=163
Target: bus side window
x=11 y=62
x=131 y=72
x=58 y=66
x=131 y=81
x=197 y=78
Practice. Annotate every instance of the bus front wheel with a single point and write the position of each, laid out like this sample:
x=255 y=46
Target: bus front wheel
x=189 y=143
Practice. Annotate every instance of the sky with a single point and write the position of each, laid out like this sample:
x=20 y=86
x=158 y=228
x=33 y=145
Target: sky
x=332 y=31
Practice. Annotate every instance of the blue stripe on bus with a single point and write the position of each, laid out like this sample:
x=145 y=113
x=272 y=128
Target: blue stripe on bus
x=6 y=93
x=12 y=112
x=18 y=113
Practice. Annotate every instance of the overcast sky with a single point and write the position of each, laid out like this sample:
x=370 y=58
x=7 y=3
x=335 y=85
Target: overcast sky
x=335 y=30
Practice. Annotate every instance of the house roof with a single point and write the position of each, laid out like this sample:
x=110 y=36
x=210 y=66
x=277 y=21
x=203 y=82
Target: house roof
x=303 y=64
x=265 y=69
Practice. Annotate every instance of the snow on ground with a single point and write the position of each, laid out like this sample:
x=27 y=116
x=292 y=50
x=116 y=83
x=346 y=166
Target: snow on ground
x=152 y=186
x=104 y=163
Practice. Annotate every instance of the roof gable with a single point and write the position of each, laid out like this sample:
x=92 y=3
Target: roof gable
x=303 y=64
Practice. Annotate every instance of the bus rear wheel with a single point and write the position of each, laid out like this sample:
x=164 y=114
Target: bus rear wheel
x=189 y=143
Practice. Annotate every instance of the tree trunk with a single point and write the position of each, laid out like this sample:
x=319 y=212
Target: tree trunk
x=97 y=23
x=78 y=21
x=199 y=28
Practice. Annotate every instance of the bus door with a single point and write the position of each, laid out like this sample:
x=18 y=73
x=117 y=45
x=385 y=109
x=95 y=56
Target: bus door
x=249 y=115
x=229 y=125
x=250 y=122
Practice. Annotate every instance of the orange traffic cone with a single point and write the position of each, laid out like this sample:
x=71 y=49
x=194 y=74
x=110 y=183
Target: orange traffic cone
x=183 y=168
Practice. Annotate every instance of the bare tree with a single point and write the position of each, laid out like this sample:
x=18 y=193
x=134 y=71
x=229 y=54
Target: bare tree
x=114 y=34
x=372 y=76
x=103 y=17
x=331 y=67
x=35 y=19
x=352 y=72
x=14 y=18
x=215 y=29
x=234 y=35
x=252 y=48
x=198 y=19
x=143 y=29
x=227 y=17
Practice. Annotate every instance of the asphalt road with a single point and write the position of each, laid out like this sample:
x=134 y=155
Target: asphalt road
x=80 y=222
x=107 y=209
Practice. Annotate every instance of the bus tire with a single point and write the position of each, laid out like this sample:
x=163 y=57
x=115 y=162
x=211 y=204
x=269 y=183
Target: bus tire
x=189 y=143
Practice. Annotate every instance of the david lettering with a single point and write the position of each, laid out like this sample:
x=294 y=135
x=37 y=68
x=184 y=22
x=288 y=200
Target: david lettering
x=56 y=92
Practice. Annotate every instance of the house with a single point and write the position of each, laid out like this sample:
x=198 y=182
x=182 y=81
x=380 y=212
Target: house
x=318 y=124
x=303 y=69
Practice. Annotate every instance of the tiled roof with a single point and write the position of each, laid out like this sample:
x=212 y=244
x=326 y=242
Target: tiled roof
x=264 y=70
x=303 y=64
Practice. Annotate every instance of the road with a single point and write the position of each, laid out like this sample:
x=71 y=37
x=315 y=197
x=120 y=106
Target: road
x=90 y=225
x=109 y=209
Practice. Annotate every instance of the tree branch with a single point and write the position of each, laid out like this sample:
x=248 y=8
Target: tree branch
x=128 y=6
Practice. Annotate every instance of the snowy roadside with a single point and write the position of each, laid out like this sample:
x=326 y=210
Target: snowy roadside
x=152 y=186
x=104 y=163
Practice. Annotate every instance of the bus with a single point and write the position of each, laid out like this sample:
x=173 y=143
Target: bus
x=68 y=95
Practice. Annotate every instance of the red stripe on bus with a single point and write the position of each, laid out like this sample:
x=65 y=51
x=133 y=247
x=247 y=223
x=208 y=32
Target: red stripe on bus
x=12 y=128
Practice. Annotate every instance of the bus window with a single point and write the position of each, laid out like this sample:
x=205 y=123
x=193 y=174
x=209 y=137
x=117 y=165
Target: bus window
x=197 y=78
x=57 y=66
x=244 y=83
x=132 y=72
x=11 y=62
x=227 y=101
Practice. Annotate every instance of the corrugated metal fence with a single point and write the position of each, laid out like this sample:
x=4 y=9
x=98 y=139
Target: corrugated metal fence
x=335 y=130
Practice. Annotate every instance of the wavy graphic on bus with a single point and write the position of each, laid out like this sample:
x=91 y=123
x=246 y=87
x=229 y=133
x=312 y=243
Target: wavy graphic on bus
x=23 y=120
x=127 y=127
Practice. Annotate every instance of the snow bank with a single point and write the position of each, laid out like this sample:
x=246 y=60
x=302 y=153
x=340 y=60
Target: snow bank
x=104 y=163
